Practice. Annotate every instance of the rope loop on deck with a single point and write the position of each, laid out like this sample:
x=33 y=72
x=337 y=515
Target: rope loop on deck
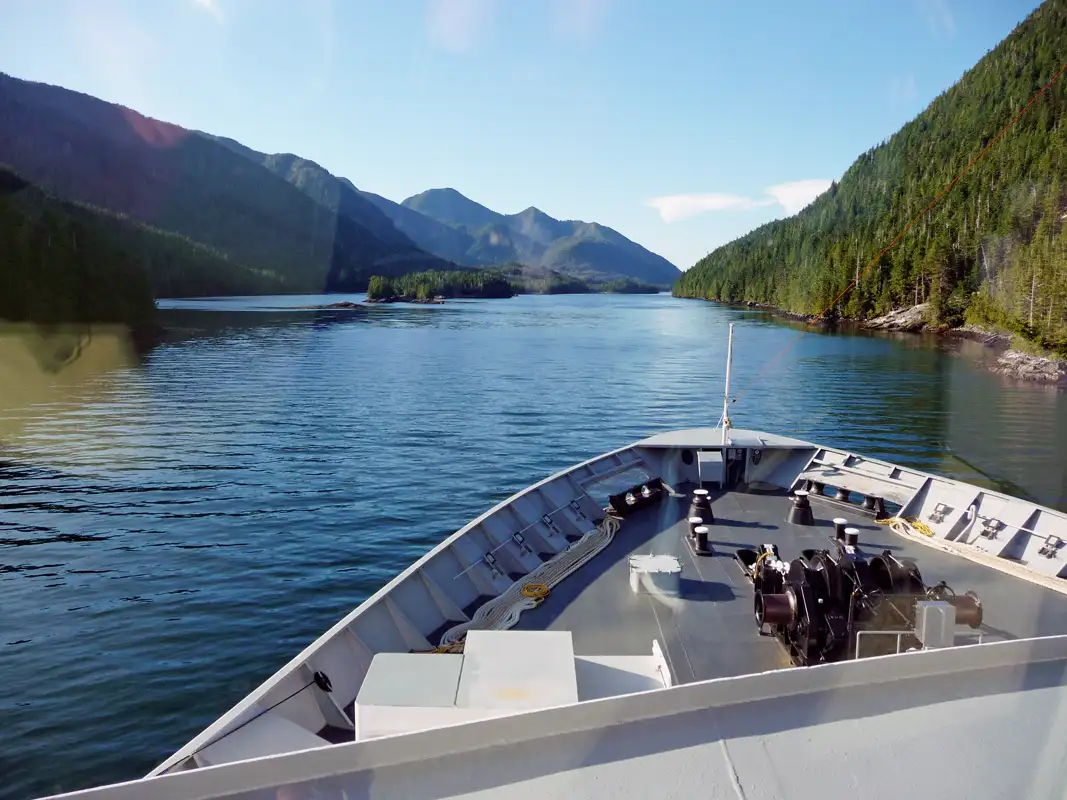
x=908 y=525
x=504 y=610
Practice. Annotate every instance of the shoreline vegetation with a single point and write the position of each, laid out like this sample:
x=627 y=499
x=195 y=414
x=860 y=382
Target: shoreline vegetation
x=990 y=259
x=507 y=281
x=1019 y=357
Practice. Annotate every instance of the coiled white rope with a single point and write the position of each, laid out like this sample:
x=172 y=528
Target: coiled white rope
x=504 y=610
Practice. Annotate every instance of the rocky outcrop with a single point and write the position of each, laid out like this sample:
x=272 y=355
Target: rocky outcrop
x=902 y=319
x=978 y=334
x=1023 y=366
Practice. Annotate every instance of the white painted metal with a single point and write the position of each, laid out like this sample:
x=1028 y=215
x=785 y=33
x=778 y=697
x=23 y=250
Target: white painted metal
x=770 y=734
x=438 y=587
x=270 y=734
x=726 y=390
x=406 y=693
x=611 y=676
x=503 y=672
x=861 y=634
x=406 y=679
x=656 y=574
x=712 y=465
x=517 y=670
x=935 y=623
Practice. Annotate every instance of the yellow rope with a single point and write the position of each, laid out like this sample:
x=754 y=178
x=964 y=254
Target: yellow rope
x=763 y=555
x=538 y=591
x=914 y=523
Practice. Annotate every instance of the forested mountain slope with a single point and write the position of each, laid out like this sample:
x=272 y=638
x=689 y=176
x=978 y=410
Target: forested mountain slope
x=993 y=249
x=66 y=262
x=288 y=216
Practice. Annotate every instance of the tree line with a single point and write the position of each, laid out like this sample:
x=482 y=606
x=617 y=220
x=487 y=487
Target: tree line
x=993 y=251
x=67 y=262
x=505 y=281
x=436 y=283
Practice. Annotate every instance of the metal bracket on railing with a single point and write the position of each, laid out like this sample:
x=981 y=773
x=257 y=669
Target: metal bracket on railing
x=1051 y=545
x=577 y=508
x=517 y=537
x=991 y=527
x=551 y=524
x=490 y=561
x=939 y=513
x=524 y=548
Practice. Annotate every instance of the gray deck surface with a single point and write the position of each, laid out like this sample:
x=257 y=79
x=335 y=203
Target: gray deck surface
x=709 y=631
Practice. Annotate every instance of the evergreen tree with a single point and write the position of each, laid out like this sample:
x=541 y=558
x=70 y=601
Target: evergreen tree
x=992 y=250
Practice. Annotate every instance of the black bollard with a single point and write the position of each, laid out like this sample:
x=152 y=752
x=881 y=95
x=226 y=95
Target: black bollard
x=696 y=505
x=852 y=537
x=800 y=513
x=701 y=506
x=694 y=523
x=839 y=528
x=842 y=495
x=701 y=533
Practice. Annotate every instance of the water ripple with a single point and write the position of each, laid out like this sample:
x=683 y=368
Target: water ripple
x=173 y=531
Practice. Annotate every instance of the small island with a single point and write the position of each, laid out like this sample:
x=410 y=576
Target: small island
x=434 y=286
x=526 y=279
x=507 y=280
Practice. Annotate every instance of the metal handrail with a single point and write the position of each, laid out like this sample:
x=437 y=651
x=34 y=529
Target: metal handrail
x=862 y=473
x=898 y=634
x=511 y=539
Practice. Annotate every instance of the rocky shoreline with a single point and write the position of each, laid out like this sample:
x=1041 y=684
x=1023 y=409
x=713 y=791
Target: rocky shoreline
x=1045 y=369
x=1026 y=367
x=437 y=301
x=348 y=304
x=1011 y=363
x=909 y=320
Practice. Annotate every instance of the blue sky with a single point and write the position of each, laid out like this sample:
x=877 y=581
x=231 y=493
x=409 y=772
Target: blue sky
x=681 y=123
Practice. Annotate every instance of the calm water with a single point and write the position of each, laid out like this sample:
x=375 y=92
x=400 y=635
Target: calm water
x=173 y=528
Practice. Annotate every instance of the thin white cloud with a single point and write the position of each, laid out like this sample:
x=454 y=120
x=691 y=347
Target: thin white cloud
x=798 y=194
x=902 y=90
x=676 y=207
x=790 y=196
x=581 y=19
x=213 y=8
x=939 y=16
x=457 y=25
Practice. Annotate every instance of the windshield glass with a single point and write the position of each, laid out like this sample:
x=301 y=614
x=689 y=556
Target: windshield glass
x=336 y=333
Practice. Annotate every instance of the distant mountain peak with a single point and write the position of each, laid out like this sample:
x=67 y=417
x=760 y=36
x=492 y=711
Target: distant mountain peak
x=448 y=205
x=530 y=237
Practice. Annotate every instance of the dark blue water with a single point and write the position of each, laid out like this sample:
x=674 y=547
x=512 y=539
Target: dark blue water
x=175 y=526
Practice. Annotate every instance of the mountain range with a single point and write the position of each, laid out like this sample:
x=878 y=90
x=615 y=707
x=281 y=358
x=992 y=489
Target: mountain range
x=445 y=222
x=457 y=229
x=279 y=217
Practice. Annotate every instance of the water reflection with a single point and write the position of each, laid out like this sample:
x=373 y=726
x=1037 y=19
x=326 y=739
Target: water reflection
x=266 y=468
x=53 y=365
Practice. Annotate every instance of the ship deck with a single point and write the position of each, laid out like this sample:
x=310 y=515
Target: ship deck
x=709 y=630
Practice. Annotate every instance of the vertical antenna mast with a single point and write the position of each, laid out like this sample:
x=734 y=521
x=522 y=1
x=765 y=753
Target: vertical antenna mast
x=726 y=393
